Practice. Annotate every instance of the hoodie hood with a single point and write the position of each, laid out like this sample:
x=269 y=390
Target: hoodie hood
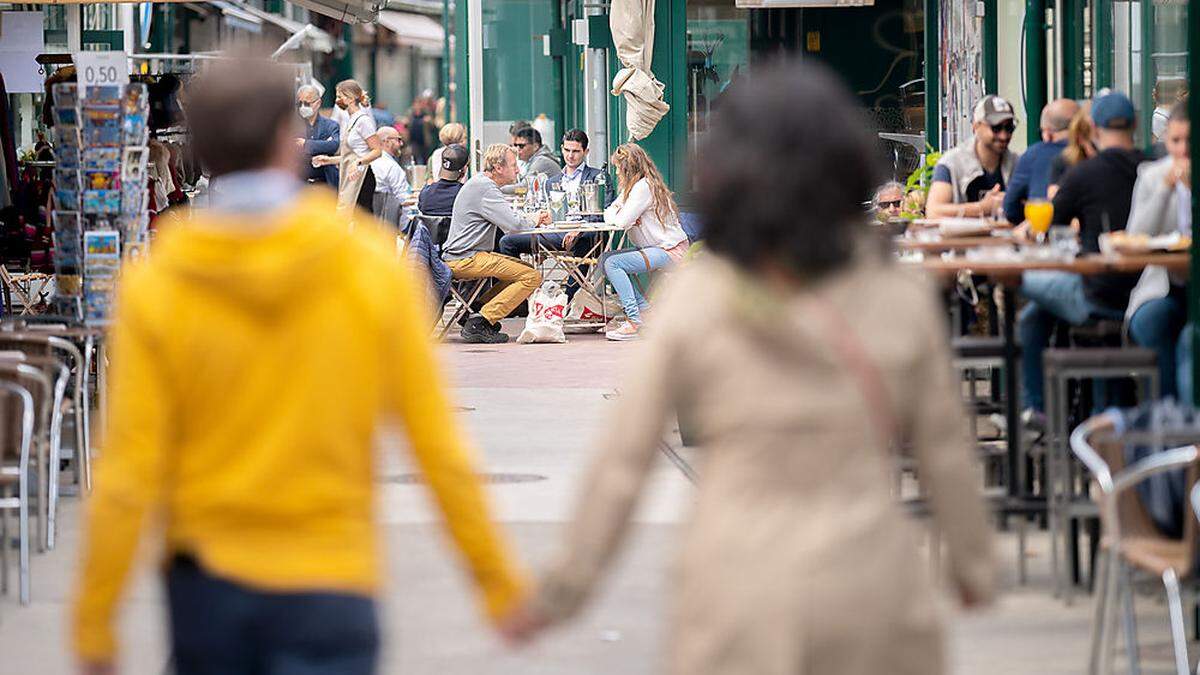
x=261 y=261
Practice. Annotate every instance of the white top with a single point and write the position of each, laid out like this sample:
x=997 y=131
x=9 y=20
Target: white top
x=356 y=132
x=636 y=216
x=389 y=176
x=434 y=163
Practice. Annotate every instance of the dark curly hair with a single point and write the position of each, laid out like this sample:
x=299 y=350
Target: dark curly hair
x=784 y=170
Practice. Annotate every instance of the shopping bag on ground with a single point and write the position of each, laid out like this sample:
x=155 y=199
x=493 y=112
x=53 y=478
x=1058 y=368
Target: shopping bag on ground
x=547 y=306
x=586 y=306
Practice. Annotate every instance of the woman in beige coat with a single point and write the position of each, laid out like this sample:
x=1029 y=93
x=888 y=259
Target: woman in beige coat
x=799 y=355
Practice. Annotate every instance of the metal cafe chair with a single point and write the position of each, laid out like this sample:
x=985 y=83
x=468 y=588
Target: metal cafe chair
x=1131 y=544
x=16 y=470
x=51 y=376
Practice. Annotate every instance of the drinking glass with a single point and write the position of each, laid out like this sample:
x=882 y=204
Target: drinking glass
x=1063 y=241
x=1039 y=213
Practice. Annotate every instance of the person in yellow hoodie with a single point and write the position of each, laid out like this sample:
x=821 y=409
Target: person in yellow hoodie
x=253 y=355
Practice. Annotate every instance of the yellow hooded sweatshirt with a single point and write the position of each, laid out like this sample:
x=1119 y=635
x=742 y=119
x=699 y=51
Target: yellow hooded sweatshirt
x=252 y=359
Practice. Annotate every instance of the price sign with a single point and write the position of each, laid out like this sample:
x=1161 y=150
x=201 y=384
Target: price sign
x=98 y=69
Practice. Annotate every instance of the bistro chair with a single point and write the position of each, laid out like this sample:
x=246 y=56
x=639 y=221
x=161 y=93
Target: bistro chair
x=1063 y=501
x=1131 y=545
x=463 y=294
x=49 y=377
x=79 y=406
x=15 y=442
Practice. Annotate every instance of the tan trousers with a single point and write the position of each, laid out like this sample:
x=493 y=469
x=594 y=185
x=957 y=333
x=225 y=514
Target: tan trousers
x=516 y=281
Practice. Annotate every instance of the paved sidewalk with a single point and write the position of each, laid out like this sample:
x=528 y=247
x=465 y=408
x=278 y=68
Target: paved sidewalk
x=533 y=411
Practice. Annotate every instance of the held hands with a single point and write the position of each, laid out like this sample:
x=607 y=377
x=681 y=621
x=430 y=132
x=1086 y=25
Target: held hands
x=319 y=161
x=543 y=218
x=991 y=202
x=1180 y=172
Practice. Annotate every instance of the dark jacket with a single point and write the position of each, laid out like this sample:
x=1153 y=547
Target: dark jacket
x=322 y=138
x=1030 y=179
x=437 y=199
x=1099 y=191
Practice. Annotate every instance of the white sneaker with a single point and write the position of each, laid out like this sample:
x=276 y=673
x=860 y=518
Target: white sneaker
x=627 y=331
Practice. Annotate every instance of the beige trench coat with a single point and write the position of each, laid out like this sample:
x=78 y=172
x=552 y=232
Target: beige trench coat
x=796 y=558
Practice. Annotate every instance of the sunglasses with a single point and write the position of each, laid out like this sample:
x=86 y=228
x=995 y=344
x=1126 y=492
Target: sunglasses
x=1010 y=127
x=519 y=145
x=895 y=203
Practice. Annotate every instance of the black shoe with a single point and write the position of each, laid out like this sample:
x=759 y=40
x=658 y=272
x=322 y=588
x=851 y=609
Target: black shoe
x=479 y=330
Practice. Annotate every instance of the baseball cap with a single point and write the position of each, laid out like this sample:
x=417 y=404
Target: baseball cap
x=993 y=110
x=1113 y=110
x=454 y=158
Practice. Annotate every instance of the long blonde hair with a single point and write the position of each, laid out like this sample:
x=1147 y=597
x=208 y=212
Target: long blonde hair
x=1079 y=143
x=633 y=164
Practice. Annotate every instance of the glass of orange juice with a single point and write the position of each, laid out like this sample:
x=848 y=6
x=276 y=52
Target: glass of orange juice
x=1039 y=213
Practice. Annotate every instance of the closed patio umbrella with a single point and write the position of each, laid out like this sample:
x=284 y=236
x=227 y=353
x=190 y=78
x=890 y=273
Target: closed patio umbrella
x=632 y=25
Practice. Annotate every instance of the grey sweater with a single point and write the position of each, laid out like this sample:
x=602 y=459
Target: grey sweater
x=479 y=209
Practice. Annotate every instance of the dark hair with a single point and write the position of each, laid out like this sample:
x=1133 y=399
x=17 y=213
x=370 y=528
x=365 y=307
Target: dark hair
x=226 y=143
x=529 y=135
x=1179 y=112
x=578 y=136
x=784 y=171
x=517 y=126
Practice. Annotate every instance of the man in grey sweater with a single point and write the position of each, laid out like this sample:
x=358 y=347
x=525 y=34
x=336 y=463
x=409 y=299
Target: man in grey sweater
x=537 y=158
x=479 y=211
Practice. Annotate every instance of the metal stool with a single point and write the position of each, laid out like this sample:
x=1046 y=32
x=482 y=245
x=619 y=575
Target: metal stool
x=1061 y=366
x=973 y=353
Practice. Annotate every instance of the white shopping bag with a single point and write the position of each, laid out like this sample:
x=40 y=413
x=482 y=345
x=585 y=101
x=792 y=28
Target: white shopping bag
x=547 y=306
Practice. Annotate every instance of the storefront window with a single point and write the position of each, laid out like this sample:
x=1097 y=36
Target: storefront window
x=1149 y=48
x=718 y=52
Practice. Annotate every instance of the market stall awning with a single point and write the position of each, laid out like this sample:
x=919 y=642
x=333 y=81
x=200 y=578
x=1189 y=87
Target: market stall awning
x=359 y=11
x=315 y=40
x=414 y=30
x=237 y=16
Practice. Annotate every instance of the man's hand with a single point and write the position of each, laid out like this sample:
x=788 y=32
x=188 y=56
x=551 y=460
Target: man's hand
x=520 y=626
x=543 y=218
x=569 y=240
x=96 y=668
x=1180 y=172
x=992 y=201
x=300 y=142
x=1021 y=232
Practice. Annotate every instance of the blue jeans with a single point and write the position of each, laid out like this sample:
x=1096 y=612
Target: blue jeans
x=619 y=265
x=1183 y=358
x=1156 y=325
x=219 y=627
x=1054 y=296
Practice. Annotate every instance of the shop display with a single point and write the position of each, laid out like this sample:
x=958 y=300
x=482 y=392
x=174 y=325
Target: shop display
x=100 y=192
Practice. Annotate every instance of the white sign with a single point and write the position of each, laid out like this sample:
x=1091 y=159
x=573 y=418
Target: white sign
x=98 y=69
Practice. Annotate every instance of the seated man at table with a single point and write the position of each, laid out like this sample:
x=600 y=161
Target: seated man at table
x=537 y=158
x=969 y=179
x=1097 y=192
x=574 y=174
x=437 y=198
x=1031 y=178
x=888 y=201
x=479 y=211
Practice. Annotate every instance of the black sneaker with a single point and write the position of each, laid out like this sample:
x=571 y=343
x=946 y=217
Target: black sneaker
x=479 y=330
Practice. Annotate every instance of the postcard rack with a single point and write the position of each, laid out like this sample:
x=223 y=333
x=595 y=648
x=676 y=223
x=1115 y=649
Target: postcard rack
x=100 y=213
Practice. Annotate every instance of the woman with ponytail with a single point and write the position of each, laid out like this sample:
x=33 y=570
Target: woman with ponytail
x=360 y=146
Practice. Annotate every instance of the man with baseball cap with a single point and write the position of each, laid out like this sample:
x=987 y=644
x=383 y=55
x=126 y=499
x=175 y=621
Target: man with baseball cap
x=437 y=199
x=1097 y=192
x=969 y=179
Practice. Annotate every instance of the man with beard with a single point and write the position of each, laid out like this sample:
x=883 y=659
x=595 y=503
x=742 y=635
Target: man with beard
x=969 y=179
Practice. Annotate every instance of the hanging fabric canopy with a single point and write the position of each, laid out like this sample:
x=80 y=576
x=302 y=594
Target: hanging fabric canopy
x=632 y=25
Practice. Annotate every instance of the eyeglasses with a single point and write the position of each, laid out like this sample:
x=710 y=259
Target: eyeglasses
x=893 y=204
x=1010 y=127
x=519 y=145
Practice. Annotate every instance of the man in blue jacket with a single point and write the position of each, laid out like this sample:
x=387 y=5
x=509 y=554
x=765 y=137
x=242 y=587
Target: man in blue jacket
x=575 y=172
x=322 y=136
x=1032 y=175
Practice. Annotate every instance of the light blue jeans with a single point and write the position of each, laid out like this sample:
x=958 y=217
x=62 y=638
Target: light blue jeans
x=619 y=265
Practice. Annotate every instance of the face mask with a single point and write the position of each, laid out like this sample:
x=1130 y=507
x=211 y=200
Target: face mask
x=307 y=111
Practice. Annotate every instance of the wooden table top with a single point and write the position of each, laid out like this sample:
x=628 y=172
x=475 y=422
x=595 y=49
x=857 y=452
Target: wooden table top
x=954 y=243
x=1088 y=265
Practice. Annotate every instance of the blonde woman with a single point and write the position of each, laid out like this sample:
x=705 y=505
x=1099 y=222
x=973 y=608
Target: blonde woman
x=646 y=211
x=360 y=146
x=451 y=134
x=1081 y=145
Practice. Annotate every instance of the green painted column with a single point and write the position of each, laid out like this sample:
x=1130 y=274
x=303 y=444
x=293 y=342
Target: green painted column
x=1102 y=45
x=446 y=33
x=1145 y=97
x=462 y=71
x=667 y=144
x=1073 y=39
x=933 y=77
x=991 y=71
x=1193 y=33
x=1035 y=65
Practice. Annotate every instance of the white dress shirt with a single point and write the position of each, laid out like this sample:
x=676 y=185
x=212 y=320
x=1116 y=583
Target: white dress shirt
x=389 y=176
